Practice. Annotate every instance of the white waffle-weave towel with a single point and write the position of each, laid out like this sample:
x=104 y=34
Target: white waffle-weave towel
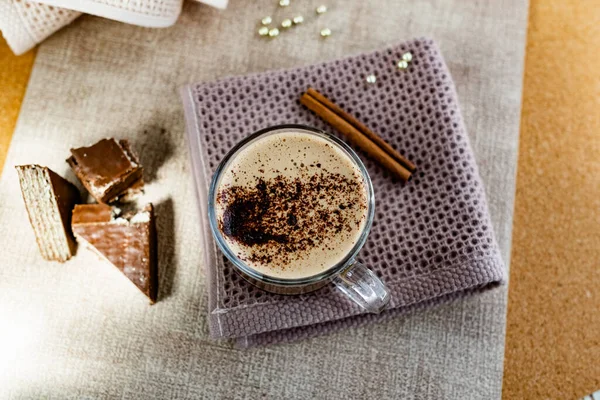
x=24 y=23
x=147 y=13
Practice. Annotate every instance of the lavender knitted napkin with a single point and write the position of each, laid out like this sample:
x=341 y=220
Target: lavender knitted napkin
x=431 y=239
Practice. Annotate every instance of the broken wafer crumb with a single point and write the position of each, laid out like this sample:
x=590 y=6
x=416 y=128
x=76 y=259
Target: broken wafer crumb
x=140 y=217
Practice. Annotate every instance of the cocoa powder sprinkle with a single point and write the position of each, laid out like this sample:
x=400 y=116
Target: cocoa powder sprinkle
x=279 y=219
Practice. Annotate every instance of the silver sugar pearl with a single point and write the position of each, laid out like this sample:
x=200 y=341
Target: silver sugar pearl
x=402 y=64
x=273 y=32
x=284 y=3
x=326 y=32
x=322 y=9
x=266 y=20
x=371 y=79
x=298 y=20
x=263 y=31
x=407 y=57
x=286 y=23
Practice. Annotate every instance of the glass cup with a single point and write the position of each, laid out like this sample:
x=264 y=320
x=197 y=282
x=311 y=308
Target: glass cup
x=351 y=277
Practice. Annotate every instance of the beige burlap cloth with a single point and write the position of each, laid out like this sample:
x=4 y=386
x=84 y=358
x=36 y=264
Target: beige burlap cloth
x=80 y=330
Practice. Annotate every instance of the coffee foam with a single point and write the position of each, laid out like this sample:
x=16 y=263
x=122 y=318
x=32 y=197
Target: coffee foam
x=306 y=198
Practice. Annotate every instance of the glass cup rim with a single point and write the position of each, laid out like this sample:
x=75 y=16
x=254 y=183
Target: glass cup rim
x=242 y=266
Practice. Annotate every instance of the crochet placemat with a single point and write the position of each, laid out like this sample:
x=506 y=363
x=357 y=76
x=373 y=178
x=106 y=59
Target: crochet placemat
x=431 y=238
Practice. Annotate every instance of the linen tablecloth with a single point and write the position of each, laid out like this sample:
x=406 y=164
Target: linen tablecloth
x=79 y=330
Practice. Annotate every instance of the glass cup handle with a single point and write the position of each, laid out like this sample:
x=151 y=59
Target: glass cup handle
x=364 y=287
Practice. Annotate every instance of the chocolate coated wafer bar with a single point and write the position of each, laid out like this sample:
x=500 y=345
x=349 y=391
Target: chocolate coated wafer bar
x=109 y=169
x=49 y=200
x=127 y=241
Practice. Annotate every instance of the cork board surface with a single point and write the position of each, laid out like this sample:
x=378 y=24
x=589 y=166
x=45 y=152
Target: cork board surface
x=553 y=335
x=14 y=74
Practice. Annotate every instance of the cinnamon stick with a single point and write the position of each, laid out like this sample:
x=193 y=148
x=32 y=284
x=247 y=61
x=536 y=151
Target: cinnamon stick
x=356 y=137
x=363 y=129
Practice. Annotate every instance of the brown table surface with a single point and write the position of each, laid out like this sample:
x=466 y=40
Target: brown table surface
x=553 y=330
